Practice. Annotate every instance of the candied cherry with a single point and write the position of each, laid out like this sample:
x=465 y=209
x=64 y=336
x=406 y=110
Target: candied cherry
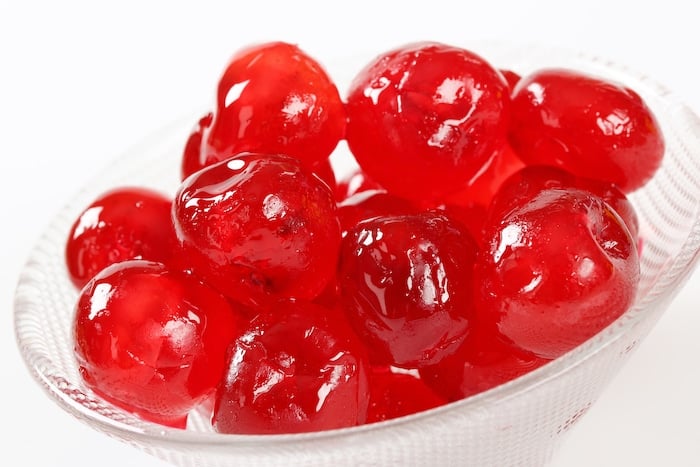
x=395 y=392
x=484 y=361
x=524 y=184
x=589 y=126
x=297 y=368
x=368 y=204
x=275 y=98
x=151 y=340
x=424 y=119
x=259 y=227
x=556 y=270
x=406 y=286
x=122 y=223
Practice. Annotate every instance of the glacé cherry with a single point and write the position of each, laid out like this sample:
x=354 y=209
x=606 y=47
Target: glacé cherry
x=122 y=223
x=298 y=367
x=151 y=340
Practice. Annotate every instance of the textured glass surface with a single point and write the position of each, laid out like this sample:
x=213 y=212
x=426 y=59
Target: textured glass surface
x=520 y=423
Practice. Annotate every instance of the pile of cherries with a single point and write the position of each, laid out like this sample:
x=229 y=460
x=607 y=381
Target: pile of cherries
x=485 y=232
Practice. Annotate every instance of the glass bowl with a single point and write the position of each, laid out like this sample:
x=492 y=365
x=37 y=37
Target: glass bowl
x=522 y=422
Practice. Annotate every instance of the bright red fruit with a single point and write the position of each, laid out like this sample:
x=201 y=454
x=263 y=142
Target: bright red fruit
x=297 y=368
x=406 y=286
x=486 y=360
x=511 y=77
x=589 y=126
x=191 y=161
x=153 y=341
x=395 y=393
x=368 y=204
x=259 y=227
x=526 y=183
x=481 y=189
x=424 y=119
x=123 y=223
x=557 y=269
x=273 y=98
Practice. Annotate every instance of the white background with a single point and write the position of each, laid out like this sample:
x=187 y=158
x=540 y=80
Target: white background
x=81 y=81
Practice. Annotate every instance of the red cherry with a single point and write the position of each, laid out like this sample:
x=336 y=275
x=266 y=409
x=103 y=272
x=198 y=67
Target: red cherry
x=123 y=223
x=191 y=161
x=406 y=286
x=424 y=119
x=486 y=360
x=274 y=98
x=591 y=127
x=511 y=78
x=368 y=204
x=557 y=270
x=396 y=393
x=259 y=227
x=526 y=183
x=152 y=341
x=297 y=368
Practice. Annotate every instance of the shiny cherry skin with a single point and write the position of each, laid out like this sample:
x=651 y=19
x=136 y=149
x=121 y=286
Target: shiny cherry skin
x=406 y=286
x=191 y=161
x=151 y=340
x=589 y=126
x=273 y=97
x=425 y=118
x=297 y=368
x=484 y=361
x=371 y=203
x=527 y=182
x=122 y=223
x=557 y=269
x=259 y=227
x=396 y=393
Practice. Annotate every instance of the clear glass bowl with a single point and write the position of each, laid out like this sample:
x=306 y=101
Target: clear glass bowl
x=519 y=423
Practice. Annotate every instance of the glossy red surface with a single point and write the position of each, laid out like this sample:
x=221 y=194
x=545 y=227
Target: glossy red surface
x=395 y=394
x=486 y=360
x=406 y=286
x=297 y=368
x=153 y=341
x=558 y=268
x=591 y=127
x=424 y=119
x=259 y=227
x=367 y=204
x=123 y=223
x=527 y=182
x=274 y=98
